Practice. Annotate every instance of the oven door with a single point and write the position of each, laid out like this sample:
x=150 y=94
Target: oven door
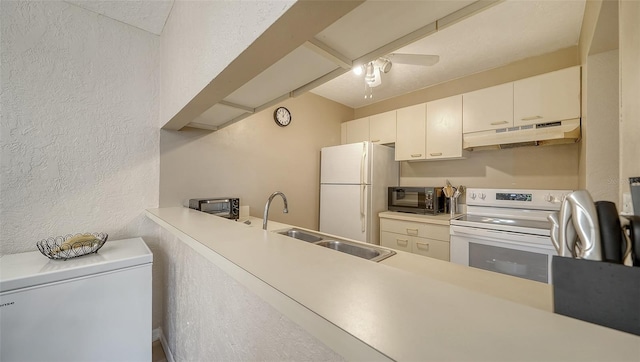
x=522 y=255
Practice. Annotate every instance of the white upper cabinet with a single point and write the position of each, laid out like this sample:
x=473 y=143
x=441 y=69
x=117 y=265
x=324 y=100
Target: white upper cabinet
x=410 y=133
x=382 y=128
x=488 y=108
x=548 y=97
x=444 y=128
x=358 y=130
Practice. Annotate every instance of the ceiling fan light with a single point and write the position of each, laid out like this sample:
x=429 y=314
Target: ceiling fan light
x=369 y=76
x=377 y=78
x=358 y=69
x=385 y=65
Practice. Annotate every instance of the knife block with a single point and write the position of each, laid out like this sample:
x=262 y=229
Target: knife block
x=597 y=292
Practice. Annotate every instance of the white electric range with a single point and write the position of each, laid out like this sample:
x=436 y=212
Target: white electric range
x=507 y=231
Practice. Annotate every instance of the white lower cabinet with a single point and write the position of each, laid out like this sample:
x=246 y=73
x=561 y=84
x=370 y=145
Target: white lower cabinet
x=425 y=239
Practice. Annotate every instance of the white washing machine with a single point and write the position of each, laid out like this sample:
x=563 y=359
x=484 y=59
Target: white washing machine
x=92 y=308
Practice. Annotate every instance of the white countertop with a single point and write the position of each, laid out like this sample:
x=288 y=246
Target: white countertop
x=439 y=219
x=401 y=314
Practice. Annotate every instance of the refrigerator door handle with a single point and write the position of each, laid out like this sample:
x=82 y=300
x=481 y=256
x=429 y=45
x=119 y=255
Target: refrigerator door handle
x=362 y=190
x=364 y=155
x=362 y=215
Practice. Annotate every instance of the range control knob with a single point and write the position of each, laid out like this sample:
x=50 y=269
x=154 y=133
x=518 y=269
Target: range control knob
x=552 y=199
x=473 y=196
x=483 y=196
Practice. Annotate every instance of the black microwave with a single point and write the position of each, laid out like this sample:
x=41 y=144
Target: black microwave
x=227 y=207
x=417 y=200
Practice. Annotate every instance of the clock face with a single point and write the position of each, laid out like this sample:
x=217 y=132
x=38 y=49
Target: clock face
x=282 y=116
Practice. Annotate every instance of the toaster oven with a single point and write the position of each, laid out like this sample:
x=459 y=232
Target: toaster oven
x=416 y=200
x=227 y=207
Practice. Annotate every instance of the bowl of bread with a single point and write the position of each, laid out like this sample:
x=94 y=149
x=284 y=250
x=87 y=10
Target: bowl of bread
x=71 y=246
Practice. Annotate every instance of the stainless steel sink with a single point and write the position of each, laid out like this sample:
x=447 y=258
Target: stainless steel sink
x=365 y=251
x=300 y=235
x=361 y=251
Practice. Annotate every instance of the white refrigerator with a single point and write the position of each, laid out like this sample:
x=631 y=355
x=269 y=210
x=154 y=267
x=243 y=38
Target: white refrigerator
x=353 y=189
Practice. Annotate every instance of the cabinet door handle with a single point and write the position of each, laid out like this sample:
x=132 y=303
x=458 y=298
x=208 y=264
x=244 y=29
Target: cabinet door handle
x=530 y=118
x=423 y=246
x=436 y=154
x=402 y=242
x=412 y=231
x=416 y=155
x=499 y=122
x=375 y=140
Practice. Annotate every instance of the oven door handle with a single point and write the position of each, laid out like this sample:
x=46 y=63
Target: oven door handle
x=475 y=232
x=500 y=237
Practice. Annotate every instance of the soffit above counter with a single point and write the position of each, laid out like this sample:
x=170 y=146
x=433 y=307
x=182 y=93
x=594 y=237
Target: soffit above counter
x=329 y=39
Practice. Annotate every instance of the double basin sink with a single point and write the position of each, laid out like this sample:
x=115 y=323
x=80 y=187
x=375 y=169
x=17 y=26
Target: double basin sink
x=365 y=251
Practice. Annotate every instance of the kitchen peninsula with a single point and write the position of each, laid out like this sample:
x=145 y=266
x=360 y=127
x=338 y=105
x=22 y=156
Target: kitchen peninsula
x=375 y=311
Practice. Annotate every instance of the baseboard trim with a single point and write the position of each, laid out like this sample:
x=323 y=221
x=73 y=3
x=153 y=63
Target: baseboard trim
x=157 y=334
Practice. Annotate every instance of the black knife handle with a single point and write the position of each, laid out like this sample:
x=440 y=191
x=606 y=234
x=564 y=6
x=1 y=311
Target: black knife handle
x=634 y=236
x=613 y=242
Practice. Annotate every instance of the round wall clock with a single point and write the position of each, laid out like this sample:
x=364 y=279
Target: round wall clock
x=282 y=116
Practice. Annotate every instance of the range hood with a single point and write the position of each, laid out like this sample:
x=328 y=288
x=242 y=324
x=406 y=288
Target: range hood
x=551 y=133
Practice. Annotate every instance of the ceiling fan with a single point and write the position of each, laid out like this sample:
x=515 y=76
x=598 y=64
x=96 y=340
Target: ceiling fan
x=374 y=69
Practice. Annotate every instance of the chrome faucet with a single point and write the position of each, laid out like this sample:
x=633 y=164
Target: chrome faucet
x=266 y=207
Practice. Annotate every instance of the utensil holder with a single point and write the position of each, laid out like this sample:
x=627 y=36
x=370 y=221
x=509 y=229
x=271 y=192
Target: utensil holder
x=598 y=292
x=452 y=206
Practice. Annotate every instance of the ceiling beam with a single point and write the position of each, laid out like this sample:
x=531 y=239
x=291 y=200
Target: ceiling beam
x=301 y=22
x=328 y=53
x=202 y=126
x=465 y=12
x=318 y=82
x=237 y=106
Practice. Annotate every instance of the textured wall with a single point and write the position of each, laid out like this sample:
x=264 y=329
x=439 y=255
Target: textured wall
x=600 y=127
x=255 y=157
x=79 y=137
x=214 y=318
x=201 y=38
x=629 y=93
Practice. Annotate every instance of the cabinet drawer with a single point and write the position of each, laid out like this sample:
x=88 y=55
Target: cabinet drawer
x=410 y=228
x=395 y=241
x=432 y=248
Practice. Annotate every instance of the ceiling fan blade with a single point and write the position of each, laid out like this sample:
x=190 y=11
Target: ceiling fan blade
x=414 y=59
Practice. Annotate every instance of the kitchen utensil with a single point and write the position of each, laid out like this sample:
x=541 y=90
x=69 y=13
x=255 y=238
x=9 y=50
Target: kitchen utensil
x=634 y=238
x=610 y=232
x=448 y=190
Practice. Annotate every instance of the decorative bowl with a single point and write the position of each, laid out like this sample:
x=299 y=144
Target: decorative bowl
x=71 y=246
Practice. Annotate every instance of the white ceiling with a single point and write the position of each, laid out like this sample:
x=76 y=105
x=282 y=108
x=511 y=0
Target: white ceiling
x=507 y=32
x=490 y=37
x=148 y=15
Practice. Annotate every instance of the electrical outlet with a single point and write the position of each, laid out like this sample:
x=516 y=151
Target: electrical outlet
x=627 y=205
